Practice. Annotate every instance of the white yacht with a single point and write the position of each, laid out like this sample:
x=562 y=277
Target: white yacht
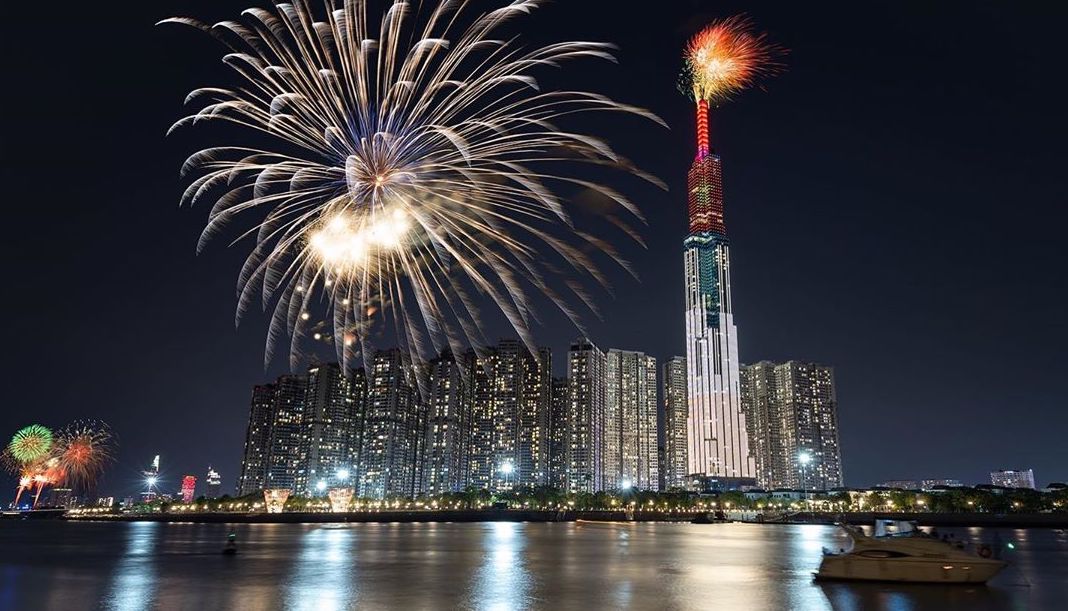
x=907 y=555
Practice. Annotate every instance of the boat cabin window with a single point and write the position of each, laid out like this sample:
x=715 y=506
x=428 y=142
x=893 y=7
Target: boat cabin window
x=881 y=553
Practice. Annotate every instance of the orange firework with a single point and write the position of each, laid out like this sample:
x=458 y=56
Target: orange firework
x=83 y=450
x=725 y=58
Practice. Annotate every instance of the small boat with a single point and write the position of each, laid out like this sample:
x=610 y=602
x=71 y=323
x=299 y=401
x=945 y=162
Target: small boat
x=231 y=545
x=907 y=555
x=717 y=517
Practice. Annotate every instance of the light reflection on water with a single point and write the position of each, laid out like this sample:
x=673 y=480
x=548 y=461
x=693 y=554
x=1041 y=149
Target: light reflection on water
x=322 y=578
x=484 y=566
x=133 y=581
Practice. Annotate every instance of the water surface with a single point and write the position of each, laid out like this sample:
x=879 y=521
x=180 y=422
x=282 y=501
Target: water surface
x=146 y=565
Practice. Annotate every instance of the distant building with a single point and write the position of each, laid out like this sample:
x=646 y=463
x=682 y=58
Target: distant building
x=586 y=365
x=558 y=439
x=676 y=411
x=214 y=484
x=1009 y=478
x=448 y=425
x=792 y=414
x=61 y=498
x=921 y=484
x=189 y=488
x=151 y=475
x=630 y=421
x=105 y=501
x=393 y=433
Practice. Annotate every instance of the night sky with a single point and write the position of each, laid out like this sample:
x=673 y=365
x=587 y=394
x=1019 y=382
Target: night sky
x=895 y=201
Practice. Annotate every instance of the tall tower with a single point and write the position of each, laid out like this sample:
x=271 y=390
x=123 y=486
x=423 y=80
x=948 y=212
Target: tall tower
x=721 y=60
x=717 y=443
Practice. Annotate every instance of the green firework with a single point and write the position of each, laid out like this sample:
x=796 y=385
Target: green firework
x=31 y=444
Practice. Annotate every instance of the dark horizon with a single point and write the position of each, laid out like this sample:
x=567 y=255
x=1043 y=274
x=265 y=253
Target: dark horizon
x=894 y=201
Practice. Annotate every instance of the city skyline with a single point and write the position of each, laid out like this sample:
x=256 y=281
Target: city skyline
x=805 y=172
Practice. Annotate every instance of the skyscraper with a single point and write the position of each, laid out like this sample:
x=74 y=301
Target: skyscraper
x=284 y=459
x=717 y=439
x=214 y=483
x=793 y=415
x=630 y=431
x=189 y=488
x=586 y=394
x=257 y=437
x=330 y=417
x=676 y=411
x=393 y=434
x=535 y=402
x=510 y=403
x=558 y=439
x=448 y=425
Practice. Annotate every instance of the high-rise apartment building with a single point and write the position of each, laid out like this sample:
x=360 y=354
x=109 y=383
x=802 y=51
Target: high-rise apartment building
x=393 y=433
x=717 y=438
x=331 y=414
x=586 y=365
x=792 y=411
x=630 y=422
x=448 y=425
x=257 y=438
x=676 y=412
x=558 y=439
x=284 y=457
x=510 y=403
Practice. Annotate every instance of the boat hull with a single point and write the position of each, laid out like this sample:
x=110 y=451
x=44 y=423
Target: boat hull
x=909 y=570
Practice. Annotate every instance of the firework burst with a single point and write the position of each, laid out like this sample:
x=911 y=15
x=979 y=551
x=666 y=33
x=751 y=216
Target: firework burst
x=415 y=164
x=82 y=451
x=726 y=58
x=30 y=444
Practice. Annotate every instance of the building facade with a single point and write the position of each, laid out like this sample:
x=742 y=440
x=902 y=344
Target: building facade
x=1013 y=478
x=558 y=435
x=331 y=414
x=586 y=371
x=189 y=488
x=792 y=409
x=676 y=412
x=717 y=437
x=257 y=438
x=448 y=425
x=213 y=481
x=393 y=434
x=630 y=423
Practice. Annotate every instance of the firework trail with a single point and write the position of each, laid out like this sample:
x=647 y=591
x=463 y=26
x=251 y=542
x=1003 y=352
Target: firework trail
x=415 y=165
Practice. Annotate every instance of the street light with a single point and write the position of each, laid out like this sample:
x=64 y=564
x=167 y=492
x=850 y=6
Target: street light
x=804 y=458
x=343 y=475
x=320 y=485
x=626 y=485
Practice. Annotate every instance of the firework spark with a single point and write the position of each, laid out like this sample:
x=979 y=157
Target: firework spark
x=30 y=444
x=726 y=58
x=415 y=164
x=82 y=451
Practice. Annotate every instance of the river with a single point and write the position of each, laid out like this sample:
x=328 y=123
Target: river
x=495 y=565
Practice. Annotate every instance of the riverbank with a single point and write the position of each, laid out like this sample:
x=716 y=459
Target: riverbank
x=1059 y=520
